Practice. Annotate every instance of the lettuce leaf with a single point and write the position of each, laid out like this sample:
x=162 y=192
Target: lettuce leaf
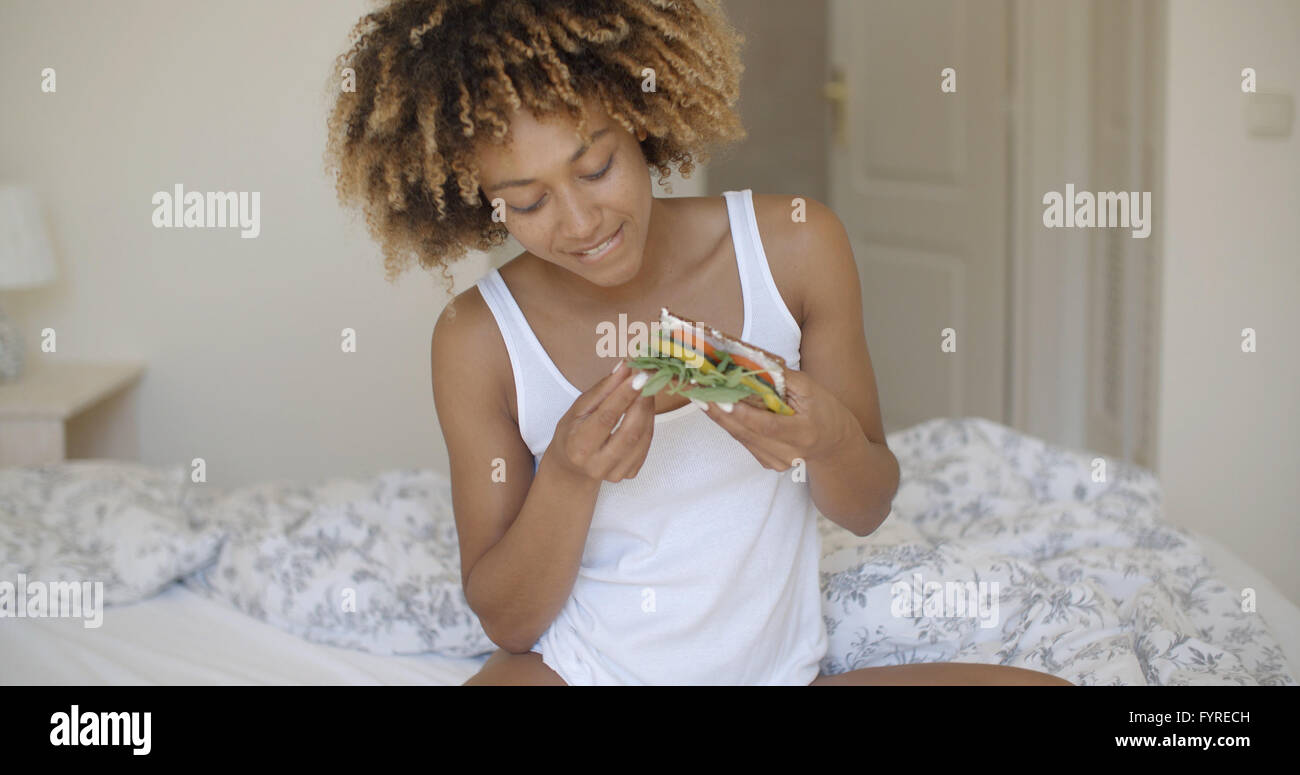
x=720 y=386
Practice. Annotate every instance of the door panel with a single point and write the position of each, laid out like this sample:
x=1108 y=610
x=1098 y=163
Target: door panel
x=919 y=178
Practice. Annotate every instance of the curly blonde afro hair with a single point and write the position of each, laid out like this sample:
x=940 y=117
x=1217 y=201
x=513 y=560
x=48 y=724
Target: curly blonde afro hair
x=426 y=81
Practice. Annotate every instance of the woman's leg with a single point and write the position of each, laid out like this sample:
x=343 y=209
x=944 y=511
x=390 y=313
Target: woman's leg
x=506 y=669
x=941 y=674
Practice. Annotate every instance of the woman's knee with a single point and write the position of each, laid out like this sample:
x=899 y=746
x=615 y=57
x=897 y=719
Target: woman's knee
x=968 y=674
x=973 y=674
x=504 y=668
x=941 y=674
x=1027 y=677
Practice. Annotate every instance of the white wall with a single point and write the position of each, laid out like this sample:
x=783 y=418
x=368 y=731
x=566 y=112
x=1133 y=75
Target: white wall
x=240 y=336
x=1229 y=422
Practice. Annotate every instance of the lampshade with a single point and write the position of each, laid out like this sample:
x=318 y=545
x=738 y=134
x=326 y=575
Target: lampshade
x=26 y=258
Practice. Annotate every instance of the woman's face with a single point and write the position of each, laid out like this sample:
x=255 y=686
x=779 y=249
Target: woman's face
x=560 y=199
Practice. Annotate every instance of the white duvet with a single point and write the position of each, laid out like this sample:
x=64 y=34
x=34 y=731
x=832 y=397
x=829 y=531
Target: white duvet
x=1092 y=584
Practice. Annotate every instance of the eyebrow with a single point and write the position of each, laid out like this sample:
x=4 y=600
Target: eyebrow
x=529 y=181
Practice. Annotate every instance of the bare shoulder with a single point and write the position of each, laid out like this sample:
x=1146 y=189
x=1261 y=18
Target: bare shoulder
x=466 y=333
x=796 y=231
x=470 y=369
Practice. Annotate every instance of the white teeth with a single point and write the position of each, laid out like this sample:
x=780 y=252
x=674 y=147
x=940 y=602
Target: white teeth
x=599 y=247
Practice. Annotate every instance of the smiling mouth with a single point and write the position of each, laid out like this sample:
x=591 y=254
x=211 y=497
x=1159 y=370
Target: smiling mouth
x=601 y=247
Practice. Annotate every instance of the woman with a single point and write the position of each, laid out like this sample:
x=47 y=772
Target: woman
x=608 y=537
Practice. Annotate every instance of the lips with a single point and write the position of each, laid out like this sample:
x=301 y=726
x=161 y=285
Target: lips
x=582 y=253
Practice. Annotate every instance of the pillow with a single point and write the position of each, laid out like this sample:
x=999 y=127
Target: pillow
x=134 y=527
x=368 y=565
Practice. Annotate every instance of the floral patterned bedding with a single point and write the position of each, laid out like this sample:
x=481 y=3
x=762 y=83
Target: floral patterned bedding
x=1092 y=584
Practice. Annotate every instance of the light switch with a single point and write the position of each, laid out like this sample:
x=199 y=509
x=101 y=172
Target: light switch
x=1270 y=115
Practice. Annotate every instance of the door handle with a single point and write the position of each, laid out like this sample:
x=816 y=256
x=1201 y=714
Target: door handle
x=836 y=92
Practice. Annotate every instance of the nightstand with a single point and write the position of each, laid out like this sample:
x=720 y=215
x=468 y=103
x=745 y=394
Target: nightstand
x=35 y=408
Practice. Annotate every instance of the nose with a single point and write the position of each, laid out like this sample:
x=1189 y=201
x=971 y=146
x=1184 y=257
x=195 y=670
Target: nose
x=582 y=219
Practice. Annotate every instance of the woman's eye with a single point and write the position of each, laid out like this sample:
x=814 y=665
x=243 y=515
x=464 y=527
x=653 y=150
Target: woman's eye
x=595 y=176
x=601 y=174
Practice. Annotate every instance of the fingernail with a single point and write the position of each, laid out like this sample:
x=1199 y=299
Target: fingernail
x=725 y=406
x=639 y=380
x=700 y=404
x=616 y=365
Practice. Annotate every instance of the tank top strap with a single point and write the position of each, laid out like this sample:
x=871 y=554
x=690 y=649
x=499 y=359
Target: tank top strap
x=767 y=318
x=542 y=394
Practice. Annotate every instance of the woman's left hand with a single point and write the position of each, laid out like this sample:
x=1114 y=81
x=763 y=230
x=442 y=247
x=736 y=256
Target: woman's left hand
x=819 y=425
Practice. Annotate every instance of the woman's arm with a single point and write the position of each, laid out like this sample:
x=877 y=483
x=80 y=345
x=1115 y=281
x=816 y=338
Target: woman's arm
x=854 y=485
x=521 y=535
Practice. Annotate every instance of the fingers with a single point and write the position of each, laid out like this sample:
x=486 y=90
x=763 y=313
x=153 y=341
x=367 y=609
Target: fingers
x=591 y=399
x=768 y=460
x=627 y=447
x=602 y=418
x=766 y=449
x=608 y=434
x=615 y=421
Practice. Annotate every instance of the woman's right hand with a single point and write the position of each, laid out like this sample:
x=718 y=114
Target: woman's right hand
x=583 y=444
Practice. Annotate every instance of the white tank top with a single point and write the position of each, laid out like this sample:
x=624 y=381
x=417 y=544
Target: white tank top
x=703 y=569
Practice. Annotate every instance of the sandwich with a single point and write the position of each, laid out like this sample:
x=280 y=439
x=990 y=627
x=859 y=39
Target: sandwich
x=699 y=361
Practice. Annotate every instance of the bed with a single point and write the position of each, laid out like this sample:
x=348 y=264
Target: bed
x=357 y=580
